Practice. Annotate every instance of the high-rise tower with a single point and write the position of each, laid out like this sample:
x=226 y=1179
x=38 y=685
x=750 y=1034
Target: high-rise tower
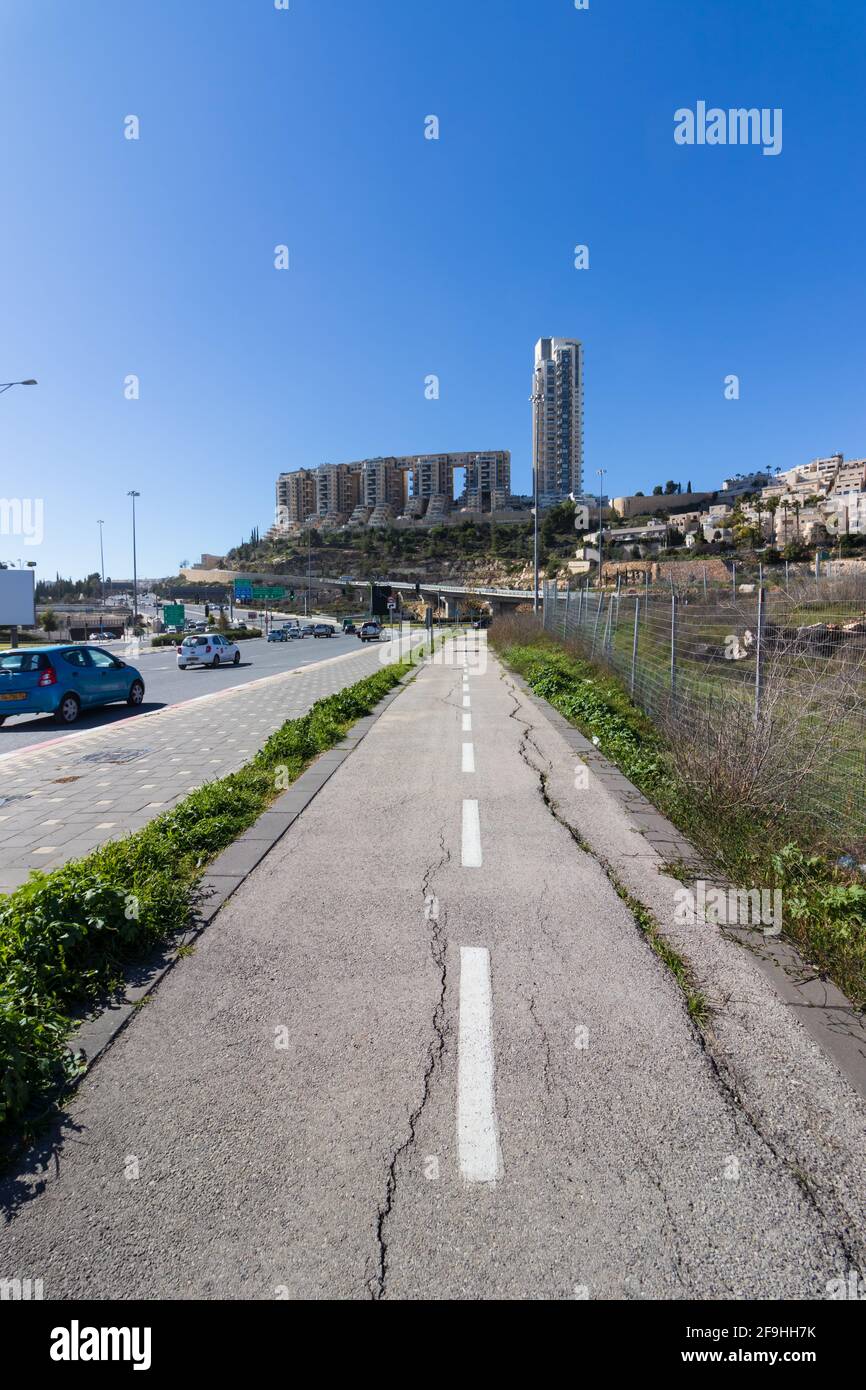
x=557 y=418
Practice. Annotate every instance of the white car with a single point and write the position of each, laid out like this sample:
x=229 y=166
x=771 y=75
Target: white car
x=210 y=650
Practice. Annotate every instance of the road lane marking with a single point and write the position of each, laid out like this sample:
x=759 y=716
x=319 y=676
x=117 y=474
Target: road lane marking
x=468 y=757
x=467 y=701
x=467 y=723
x=470 y=856
x=477 y=1130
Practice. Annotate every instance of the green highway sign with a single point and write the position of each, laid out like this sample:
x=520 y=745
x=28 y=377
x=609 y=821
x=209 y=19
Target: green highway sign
x=266 y=592
x=172 y=614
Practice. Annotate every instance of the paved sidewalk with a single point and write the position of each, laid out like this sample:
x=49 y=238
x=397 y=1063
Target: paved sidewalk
x=62 y=799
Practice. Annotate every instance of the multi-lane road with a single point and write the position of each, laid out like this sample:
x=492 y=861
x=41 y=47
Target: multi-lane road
x=166 y=685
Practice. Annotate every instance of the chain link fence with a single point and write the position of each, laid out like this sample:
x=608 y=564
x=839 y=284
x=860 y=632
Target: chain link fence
x=759 y=690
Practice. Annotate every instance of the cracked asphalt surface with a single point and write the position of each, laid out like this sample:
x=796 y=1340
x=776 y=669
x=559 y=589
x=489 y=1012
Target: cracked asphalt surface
x=280 y=1119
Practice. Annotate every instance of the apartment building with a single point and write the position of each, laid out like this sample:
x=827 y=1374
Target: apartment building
x=297 y=497
x=488 y=480
x=375 y=491
x=432 y=475
x=338 y=489
x=557 y=418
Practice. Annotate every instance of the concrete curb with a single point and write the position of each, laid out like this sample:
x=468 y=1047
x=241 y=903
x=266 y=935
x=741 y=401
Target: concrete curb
x=227 y=872
x=829 y=1017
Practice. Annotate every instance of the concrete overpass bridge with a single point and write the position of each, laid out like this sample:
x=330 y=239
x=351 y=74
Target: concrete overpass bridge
x=430 y=590
x=451 y=594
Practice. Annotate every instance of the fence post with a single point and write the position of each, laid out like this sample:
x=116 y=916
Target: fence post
x=614 y=619
x=734 y=579
x=673 y=648
x=634 y=644
x=565 y=614
x=597 y=616
x=646 y=595
x=705 y=583
x=759 y=655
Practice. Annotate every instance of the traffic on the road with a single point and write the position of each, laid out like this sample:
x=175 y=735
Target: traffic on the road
x=45 y=690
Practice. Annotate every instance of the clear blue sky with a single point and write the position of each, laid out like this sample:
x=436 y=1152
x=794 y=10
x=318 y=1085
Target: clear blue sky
x=411 y=256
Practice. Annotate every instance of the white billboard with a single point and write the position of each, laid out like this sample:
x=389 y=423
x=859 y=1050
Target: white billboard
x=17 y=605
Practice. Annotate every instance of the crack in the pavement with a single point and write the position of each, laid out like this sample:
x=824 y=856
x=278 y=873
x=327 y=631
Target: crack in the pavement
x=724 y=1074
x=436 y=915
x=551 y=1086
x=726 y=1079
x=680 y=1262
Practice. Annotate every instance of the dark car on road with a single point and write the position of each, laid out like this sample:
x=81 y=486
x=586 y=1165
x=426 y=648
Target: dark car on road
x=370 y=632
x=323 y=630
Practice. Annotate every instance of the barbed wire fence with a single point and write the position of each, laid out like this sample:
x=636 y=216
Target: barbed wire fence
x=760 y=690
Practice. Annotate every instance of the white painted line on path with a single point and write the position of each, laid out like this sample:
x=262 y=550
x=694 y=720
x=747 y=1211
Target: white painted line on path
x=477 y=1130
x=468 y=757
x=470 y=856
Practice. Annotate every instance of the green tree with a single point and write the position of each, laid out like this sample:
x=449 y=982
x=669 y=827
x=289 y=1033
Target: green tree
x=48 y=620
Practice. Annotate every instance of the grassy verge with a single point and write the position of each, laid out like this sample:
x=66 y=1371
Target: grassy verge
x=824 y=903
x=66 y=935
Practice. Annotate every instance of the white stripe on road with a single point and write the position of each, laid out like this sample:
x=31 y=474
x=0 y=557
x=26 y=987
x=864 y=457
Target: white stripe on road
x=468 y=757
x=477 y=1130
x=467 y=701
x=467 y=723
x=470 y=856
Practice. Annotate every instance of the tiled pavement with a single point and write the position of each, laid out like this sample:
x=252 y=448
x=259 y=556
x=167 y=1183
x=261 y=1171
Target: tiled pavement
x=61 y=800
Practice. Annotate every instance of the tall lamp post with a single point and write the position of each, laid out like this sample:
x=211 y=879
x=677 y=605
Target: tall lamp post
x=601 y=472
x=133 y=494
x=308 y=597
x=100 y=524
x=6 y=385
x=536 y=399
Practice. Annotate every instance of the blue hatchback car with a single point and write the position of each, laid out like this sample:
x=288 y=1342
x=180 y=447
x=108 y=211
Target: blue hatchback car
x=63 y=680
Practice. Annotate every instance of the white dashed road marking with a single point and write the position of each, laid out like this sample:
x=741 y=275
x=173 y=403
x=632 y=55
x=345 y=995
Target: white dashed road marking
x=471 y=846
x=468 y=757
x=477 y=1131
x=467 y=723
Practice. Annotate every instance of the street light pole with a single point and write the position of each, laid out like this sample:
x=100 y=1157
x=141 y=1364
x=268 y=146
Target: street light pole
x=100 y=524
x=6 y=385
x=601 y=472
x=133 y=494
x=536 y=399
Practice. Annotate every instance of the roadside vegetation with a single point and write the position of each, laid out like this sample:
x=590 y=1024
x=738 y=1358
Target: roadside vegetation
x=66 y=936
x=369 y=552
x=749 y=841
